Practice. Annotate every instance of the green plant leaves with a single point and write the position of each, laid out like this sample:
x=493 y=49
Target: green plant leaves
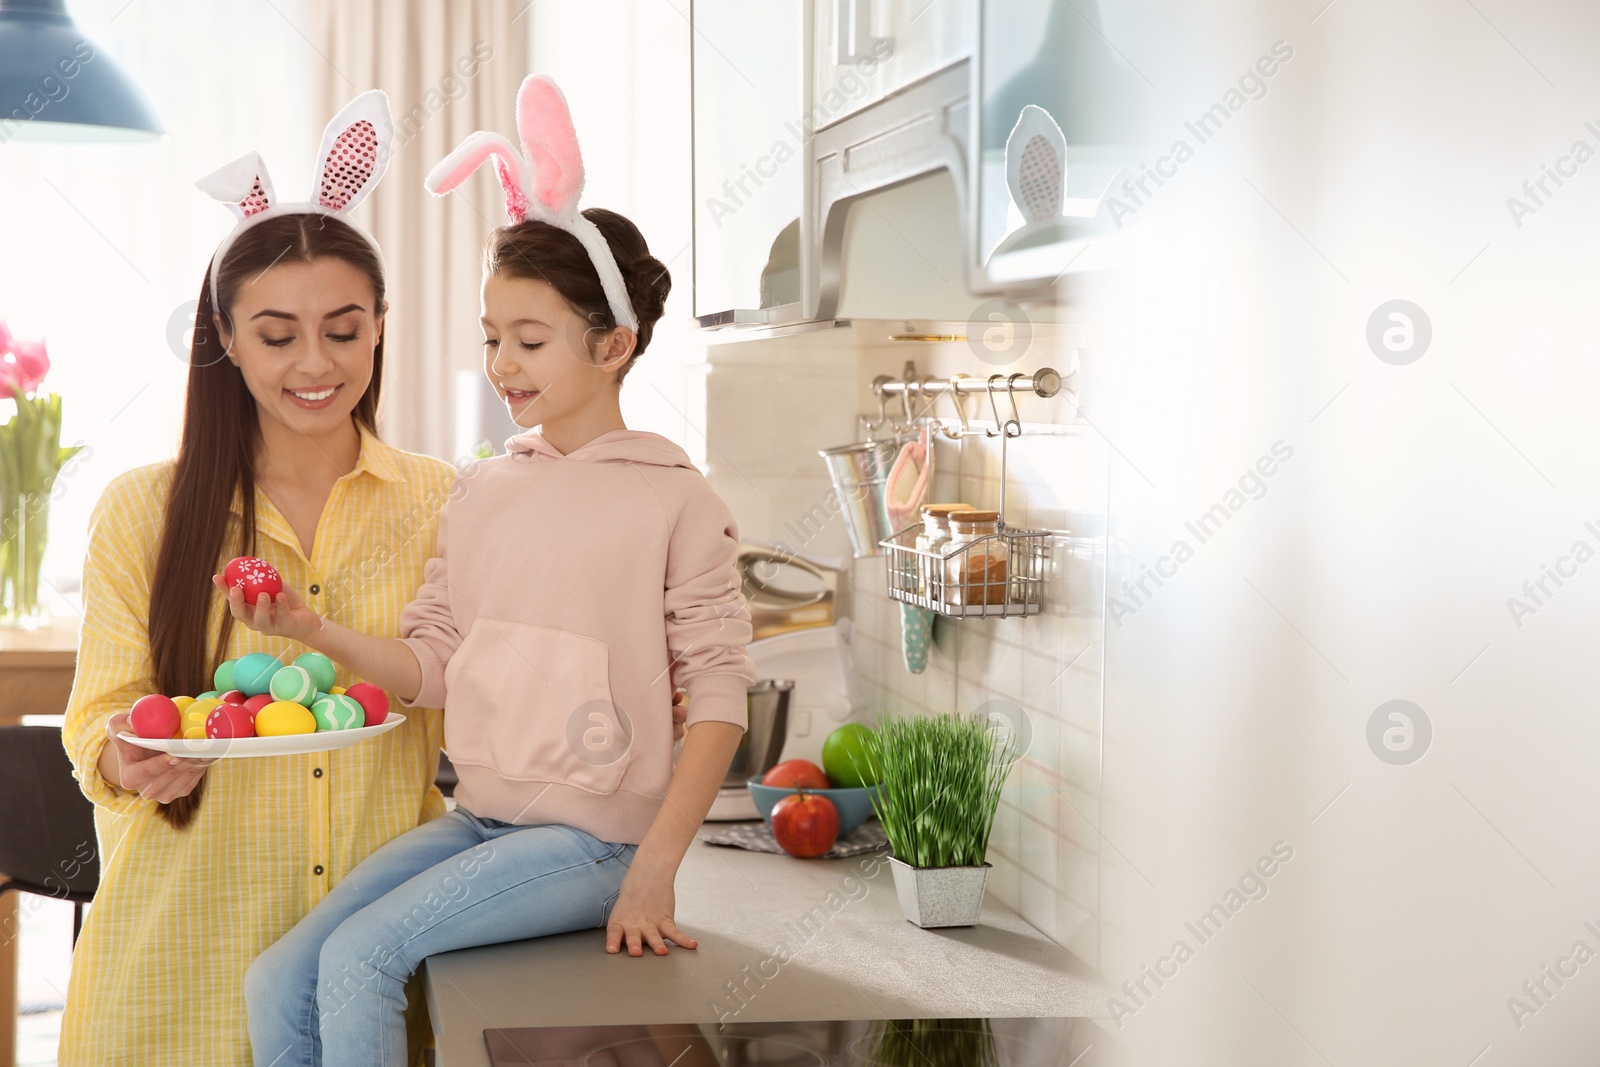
x=942 y=778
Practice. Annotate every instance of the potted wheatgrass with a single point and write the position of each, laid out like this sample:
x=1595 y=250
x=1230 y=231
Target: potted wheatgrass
x=940 y=788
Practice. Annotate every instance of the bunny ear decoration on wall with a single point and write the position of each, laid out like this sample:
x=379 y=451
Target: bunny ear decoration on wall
x=353 y=155
x=542 y=182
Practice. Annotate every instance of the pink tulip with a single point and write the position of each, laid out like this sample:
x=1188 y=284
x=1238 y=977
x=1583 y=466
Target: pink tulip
x=33 y=363
x=5 y=339
x=10 y=379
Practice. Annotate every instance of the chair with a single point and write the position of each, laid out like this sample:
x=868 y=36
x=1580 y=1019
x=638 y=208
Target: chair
x=47 y=841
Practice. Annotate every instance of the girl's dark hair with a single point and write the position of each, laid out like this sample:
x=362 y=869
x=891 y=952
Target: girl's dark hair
x=546 y=253
x=216 y=458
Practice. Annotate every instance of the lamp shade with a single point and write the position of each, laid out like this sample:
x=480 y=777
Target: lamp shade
x=55 y=85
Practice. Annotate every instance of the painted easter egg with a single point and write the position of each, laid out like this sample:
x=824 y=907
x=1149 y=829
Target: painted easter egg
x=252 y=674
x=320 y=668
x=254 y=576
x=374 y=701
x=282 y=717
x=338 y=712
x=154 y=716
x=229 y=720
x=293 y=683
x=223 y=678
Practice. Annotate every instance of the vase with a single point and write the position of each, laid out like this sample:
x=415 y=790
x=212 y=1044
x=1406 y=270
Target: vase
x=24 y=529
x=939 y=896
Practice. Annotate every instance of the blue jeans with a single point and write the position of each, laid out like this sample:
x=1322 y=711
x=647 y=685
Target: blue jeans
x=333 y=988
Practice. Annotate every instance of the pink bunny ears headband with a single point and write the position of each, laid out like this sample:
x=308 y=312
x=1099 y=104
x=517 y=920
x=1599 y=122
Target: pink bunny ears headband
x=355 y=151
x=541 y=182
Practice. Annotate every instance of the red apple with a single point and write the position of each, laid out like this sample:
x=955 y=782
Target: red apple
x=373 y=701
x=254 y=576
x=796 y=774
x=154 y=716
x=805 y=824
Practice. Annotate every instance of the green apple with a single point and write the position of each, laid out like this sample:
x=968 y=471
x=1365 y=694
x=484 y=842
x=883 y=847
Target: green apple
x=846 y=760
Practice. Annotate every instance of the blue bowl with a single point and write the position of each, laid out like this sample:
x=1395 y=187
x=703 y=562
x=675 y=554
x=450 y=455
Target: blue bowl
x=854 y=804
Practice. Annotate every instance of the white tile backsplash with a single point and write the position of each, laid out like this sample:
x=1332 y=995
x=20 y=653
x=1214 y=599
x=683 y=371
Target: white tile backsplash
x=773 y=403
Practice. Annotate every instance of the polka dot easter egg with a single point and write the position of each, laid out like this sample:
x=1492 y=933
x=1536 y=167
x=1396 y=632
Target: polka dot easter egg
x=254 y=576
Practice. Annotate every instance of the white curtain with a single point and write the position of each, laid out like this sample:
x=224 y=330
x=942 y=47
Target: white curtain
x=449 y=68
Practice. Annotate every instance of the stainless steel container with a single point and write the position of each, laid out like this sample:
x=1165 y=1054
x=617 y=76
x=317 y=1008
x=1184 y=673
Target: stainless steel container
x=768 y=703
x=860 y=473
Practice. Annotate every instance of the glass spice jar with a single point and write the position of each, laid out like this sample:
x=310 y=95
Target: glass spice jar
x=977 y=573
x=935 y=537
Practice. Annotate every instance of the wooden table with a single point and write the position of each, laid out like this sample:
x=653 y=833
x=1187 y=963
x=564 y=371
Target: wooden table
x=36 y=668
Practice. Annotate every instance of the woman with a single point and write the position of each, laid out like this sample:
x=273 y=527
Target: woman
x=206 y=863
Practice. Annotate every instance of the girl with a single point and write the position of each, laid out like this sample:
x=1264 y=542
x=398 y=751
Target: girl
x=204 y=864
x=574 y=575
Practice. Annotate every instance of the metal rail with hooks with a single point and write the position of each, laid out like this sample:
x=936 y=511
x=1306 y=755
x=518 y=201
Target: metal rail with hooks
x=1045 y=382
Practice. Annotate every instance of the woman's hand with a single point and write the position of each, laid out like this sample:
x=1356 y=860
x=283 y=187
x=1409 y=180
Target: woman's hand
x=643 y=915
x=153 y=775
x=284 y=616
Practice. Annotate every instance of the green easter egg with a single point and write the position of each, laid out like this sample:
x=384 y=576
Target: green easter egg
x=252 y=673
x=321 y=668
x=223 y=679
x=293 y=683
x=337 y=712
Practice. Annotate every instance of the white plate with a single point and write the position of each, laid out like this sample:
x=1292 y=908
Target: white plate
x=240 y=747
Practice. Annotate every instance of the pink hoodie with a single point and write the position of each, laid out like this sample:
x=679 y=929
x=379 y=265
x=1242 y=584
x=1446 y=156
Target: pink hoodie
x=563 y=589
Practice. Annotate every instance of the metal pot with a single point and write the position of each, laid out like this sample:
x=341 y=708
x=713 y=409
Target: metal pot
x=768 y=704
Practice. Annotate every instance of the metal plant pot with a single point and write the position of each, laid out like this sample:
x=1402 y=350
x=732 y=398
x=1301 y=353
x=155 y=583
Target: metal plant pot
x=940 y=896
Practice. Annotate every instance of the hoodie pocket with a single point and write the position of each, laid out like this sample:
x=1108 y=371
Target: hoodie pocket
x=534 y=703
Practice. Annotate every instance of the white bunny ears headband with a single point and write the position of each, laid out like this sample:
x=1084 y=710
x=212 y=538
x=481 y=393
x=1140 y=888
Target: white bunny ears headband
x=541 y=182
x=354 y=154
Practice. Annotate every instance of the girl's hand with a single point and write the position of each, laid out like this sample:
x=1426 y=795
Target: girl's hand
x=153 y=775
x=286 y=616
x=680 y=714
x=643 y=914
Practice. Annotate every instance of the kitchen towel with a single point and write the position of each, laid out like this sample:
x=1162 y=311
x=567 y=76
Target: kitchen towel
x=757 y=837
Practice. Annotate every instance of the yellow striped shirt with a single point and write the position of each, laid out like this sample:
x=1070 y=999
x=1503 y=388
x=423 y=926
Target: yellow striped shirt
x=158 y=974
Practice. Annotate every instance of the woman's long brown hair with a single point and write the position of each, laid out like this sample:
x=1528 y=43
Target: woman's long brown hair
x=216 y=459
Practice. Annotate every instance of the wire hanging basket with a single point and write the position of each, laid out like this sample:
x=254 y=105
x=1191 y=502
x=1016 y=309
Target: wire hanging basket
x=990 y=575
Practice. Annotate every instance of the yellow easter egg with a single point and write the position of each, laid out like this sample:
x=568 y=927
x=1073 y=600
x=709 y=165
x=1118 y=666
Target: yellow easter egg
x=283 y=717
x=194 y=733
x=337 y=691
x=201 y=707
x=183 y=702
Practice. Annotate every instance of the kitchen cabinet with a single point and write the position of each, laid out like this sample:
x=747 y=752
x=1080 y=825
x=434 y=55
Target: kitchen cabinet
x=864 y=50
x=1048 y=81
x=747 y=66
x=806 y=110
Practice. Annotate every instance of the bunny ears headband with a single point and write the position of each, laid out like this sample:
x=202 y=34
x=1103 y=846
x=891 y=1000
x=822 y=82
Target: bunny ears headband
x=541 y=182
x=355 y=151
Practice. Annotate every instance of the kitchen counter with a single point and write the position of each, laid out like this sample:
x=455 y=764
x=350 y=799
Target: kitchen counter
x=849 y=955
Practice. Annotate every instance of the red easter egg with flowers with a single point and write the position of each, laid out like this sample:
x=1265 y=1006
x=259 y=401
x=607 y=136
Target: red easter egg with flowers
x=254 y=576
